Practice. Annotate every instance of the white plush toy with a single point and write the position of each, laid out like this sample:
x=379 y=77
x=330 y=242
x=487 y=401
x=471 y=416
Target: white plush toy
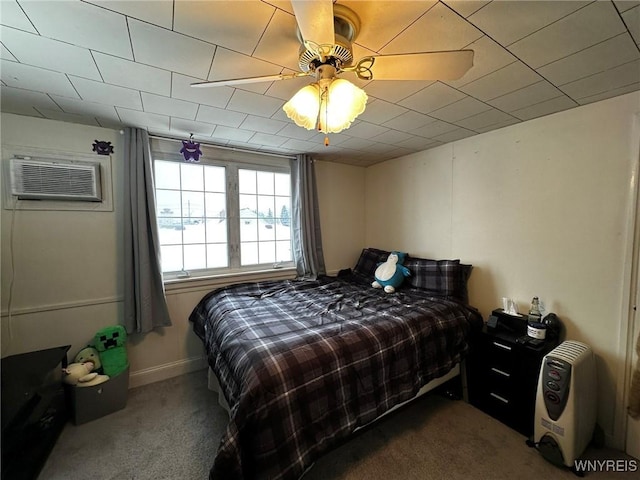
x=80 y=375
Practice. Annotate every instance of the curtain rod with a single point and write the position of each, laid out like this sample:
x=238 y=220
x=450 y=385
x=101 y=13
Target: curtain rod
x=235 y=149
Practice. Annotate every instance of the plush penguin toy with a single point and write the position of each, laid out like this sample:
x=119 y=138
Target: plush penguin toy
x=390 y=274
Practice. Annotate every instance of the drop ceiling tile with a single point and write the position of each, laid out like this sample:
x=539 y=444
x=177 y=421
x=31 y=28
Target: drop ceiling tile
x=598 y=58
x=466 y=7
x=6 y=54
x=170 y=50
x=382 y=21
x=624 y=5
x=232 y=134
x=408 y=121
x=419 y=143
x=12 y=15
x=632 y=21
x=108 y=94
x=484 y=119
x=509 y=21
x=355 y=143
x=610 y=93
x=366 y=130
x=81 y=24
x=252 y=103
x=379 y=111
x=160 y=14
x=488 y=56
x=106 y=123
x=463 y=108
x=454 y=135
x=438 y=29
x=169 y=106
x=334 y=138
x=291 y=130
x=285 y=89
x=69 y=117
x=81 y=107
x=392 y=136
x=13 y=99
x=584 y=28
x=219 y=116
x=395 y=90
x=263 y=125
x=544 y=108
x=433 y=129
x=615 y=78
x=530 y=95
x=496 y=126
x=214 y=96
x=152 y=121
x=50 y=54
x=37 y=79
x=188 y=127
x=298 y=145
x=233 y=25
x=266 y=139
x=505 y=80
x=435 y=96
x=279 y=43
x=125 y=73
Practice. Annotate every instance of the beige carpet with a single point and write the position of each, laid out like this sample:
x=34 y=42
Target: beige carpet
x=170 y=430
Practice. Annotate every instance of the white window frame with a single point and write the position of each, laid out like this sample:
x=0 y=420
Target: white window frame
x=232 y=160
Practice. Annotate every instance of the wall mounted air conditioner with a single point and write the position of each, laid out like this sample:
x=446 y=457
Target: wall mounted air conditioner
x=44 y=179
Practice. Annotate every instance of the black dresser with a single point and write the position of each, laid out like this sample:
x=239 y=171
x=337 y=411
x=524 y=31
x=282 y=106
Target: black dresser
x=502 y=374
x=34 y=410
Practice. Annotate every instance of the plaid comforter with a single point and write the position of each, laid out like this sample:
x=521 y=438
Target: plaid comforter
x=302 y=364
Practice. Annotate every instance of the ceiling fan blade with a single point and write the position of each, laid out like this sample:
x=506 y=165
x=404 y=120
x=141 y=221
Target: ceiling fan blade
x=242 y=81
x=447 y=65
x=315 y=20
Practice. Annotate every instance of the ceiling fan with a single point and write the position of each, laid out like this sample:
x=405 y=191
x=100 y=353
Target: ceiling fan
x=326 y=32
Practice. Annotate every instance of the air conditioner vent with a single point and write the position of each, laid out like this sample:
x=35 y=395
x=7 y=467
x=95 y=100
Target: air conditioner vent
x=41 y=179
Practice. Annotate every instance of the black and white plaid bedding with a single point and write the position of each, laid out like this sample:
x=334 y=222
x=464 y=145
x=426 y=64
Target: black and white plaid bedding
x=302 y=364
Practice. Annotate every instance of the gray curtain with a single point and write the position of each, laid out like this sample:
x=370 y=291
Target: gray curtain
x=145 y=307
x=307 y=240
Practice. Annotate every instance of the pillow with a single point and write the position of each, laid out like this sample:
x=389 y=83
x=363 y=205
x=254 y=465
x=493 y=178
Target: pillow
x=440 y=277
x=369 y=260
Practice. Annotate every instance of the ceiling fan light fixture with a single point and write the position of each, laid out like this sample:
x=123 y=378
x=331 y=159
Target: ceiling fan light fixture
x=331 y=106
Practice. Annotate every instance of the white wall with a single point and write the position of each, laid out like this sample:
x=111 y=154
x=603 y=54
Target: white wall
x=539 y=208
x=67 y=275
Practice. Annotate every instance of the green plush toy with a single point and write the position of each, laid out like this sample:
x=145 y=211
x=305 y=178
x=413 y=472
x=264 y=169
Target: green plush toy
x=110 y=343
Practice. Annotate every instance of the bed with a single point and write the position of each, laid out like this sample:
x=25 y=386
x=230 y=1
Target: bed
x=303 y=364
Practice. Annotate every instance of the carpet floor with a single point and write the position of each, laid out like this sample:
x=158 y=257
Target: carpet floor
x=170 y=431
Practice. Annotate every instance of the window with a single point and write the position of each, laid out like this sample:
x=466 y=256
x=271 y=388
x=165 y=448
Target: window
x=222 y=216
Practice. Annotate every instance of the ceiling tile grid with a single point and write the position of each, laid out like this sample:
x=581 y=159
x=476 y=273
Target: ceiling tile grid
x=117 y=63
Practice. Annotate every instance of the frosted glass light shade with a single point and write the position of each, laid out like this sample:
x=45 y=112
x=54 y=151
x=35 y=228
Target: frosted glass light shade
x=331 y=111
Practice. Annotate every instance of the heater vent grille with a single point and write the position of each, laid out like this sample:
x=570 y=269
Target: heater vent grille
x=41 y=179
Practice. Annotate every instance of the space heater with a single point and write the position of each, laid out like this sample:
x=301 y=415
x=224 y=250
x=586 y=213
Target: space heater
x=565 y=413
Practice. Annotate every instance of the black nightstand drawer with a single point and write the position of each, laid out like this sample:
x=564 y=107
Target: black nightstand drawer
x=502 y=377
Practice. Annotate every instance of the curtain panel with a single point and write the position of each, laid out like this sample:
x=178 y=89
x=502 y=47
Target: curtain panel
x=145 y=306
x=307 y=238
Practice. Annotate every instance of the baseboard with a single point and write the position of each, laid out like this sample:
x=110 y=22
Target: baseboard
x=165 y=371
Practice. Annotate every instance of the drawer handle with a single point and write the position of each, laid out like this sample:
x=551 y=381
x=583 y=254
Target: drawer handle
x=493 y=369
x=505 y=347
x=502 y=399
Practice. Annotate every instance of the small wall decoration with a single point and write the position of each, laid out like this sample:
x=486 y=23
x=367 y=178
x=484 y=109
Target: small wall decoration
x=102 y=148
x=190 y=150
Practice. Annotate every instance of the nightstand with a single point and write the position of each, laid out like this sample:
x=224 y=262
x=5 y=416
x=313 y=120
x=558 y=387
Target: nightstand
x=502 y=376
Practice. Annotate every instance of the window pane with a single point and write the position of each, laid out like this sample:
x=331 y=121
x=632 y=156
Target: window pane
x=171 y=258
x=248 y=229
x=192 y=207
x=192 y=178
x=265 y=183
x=168 y=203
x=171 y=234
x=248 y=206
x=194 y=233
x=214 y=179
x=194 y=257
x=283 y=251
x=266 y=230
x=215 y=205
x=282 y=184
x=217 y=255
x=247 y=181
x=283 y=232
x=216 y=230
x=267 y=252
x=248 y=253
x=266 y=207
x=167 y=174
